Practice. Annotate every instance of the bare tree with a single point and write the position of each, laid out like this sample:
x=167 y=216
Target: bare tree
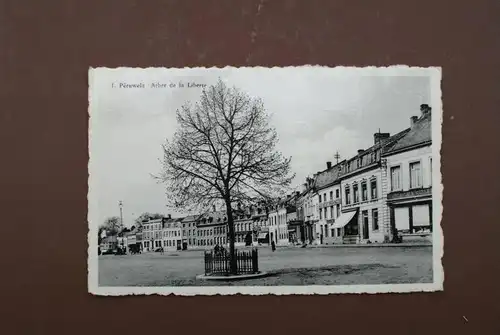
x=223 y=152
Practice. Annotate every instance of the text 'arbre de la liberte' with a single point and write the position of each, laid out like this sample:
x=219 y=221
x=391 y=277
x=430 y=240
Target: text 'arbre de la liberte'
x=158 y=85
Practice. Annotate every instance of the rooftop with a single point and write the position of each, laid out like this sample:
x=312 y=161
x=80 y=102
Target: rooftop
x=327 y=177
x=419 y=133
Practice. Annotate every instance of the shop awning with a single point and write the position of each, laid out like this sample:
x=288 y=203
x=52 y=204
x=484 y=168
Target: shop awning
x=262 y=236
x=343 y=219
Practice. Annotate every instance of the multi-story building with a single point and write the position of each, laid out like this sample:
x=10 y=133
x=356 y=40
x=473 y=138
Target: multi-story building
x=409 y=180
x=243 y=225
x=189 y=232
x=286 y=213
x=260 y=224
x=363 y=202
x=212 y=229
x=292 y=223
x=152 y=234
x=272 y=219
x=109 y=243
x=309 y=202
x=327 y=188
x=171 y=234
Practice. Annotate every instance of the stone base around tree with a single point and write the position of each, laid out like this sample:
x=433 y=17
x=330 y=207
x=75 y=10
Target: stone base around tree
x=233 y=277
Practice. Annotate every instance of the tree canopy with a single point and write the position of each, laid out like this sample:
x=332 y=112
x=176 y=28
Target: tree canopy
x=223 y=149
x=223 y=152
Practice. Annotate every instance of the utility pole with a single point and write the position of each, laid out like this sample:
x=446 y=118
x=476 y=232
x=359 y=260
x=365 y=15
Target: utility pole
x=120 y=204
x=337 y=157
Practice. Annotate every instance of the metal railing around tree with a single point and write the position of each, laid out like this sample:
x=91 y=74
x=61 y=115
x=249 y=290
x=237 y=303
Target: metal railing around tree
x=219 y=263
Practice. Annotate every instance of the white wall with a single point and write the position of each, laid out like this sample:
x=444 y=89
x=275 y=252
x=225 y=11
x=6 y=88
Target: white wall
x=375 y=235
x=403 y=159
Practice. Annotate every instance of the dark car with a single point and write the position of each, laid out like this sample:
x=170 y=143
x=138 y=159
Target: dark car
x=159 y=250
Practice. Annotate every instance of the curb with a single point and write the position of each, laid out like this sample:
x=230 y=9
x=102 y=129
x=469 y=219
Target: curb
x=233 y=278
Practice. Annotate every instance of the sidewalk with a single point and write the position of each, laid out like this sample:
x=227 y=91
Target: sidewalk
x=317 y=246
x=370 y=245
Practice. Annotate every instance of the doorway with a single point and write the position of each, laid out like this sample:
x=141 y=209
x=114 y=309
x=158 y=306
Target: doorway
x=366 y=234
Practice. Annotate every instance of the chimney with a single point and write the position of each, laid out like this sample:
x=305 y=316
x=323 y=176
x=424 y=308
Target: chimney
x=360 y=151
x=328 y=165
x=425 y=109
x=380 y=137
x=297 y=193
x=413 y=119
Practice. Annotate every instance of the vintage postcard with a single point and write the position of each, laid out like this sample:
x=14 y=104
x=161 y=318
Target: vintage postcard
x=293 y=180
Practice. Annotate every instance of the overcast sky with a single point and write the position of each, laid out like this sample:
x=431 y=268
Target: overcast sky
x=316 y=112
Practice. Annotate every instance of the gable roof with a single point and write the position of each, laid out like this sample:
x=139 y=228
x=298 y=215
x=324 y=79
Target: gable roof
x=419 y=133
x=217 y=218
x=190 y=218
x=328 y=177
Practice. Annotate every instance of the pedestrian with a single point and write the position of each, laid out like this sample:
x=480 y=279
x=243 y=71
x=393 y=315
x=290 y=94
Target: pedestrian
x=273 y=246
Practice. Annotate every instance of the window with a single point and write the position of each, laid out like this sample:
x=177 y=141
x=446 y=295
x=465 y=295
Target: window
x=324 y=197
x=415 y=175
x=364 y=191
x=347 y=195
x=320 y=198
x=375 y=219
x=321 y=214
x=373 y=189
x=430 y=170
x=331 y=213
x=331 y=195
x=395 y=178
x=355 y=191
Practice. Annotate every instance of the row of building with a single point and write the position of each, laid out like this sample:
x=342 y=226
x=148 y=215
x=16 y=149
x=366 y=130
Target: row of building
x=382 y=194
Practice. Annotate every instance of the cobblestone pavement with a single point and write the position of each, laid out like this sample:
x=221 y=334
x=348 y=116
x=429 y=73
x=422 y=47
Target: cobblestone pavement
x=287 y=266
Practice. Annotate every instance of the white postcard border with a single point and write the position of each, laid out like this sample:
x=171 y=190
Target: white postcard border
x=435 y=74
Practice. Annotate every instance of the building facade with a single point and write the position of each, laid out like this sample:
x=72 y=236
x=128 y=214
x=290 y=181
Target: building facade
x=409 y=174
x=364 y=216
x=152 y=234
x=327 y=188
x=171 y=234
x=243 y=229
x=212 y=230
x=189 y=232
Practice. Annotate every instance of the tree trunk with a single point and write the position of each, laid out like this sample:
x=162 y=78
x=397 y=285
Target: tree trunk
x=232 y=250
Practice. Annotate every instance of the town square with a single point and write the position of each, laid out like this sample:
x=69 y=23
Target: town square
x=286 y=266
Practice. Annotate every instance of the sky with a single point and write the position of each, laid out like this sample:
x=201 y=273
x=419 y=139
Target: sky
x=316 y=111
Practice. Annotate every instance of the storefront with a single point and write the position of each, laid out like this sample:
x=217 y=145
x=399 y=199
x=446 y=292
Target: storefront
x=411 y=215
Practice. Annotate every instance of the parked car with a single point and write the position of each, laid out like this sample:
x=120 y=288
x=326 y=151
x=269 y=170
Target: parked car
x=159 y=249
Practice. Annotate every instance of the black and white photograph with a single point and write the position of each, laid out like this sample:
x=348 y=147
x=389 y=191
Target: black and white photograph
x=254 y=180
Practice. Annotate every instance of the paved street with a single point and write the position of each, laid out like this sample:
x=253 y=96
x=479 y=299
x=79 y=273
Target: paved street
x=288 y=266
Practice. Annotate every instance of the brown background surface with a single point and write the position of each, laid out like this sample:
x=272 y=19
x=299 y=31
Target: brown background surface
x=46 y=49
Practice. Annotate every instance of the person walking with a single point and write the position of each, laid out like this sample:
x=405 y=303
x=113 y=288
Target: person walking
x=273 y=246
